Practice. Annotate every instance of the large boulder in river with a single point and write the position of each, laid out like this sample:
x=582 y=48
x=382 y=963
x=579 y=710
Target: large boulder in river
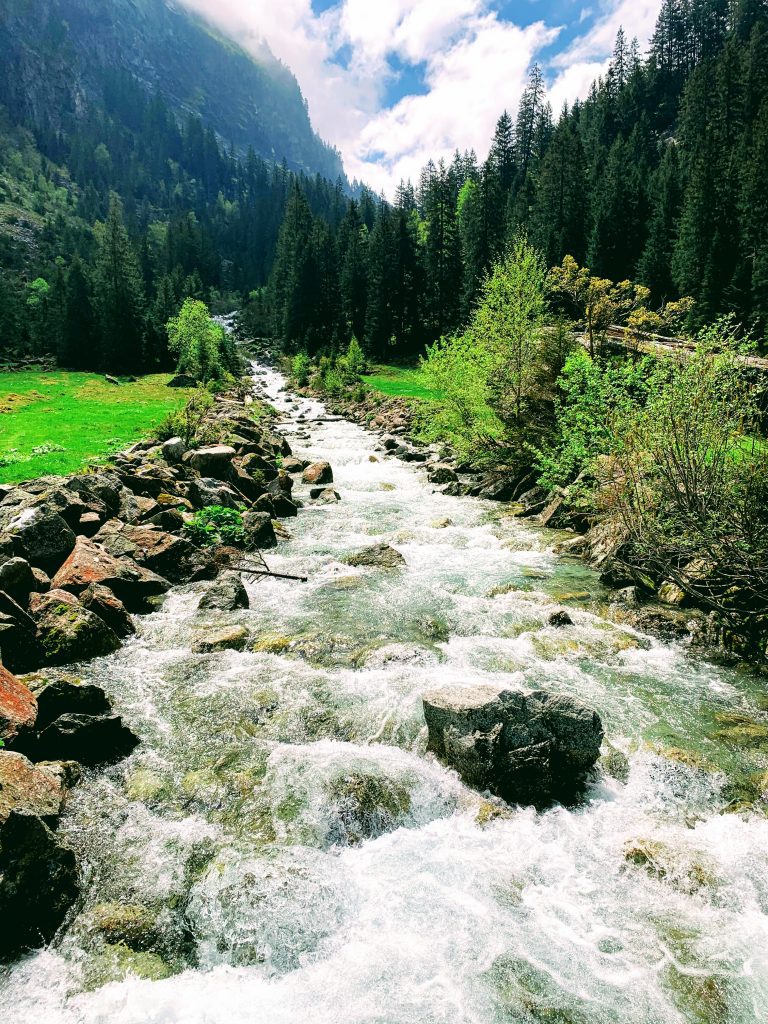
x=42 y=538
x=66 y=631
x=38 y=876
x=18 y=707
x=318 y=473
x=259 y=531
x=226 y=594
x=89 y=739
x=38 y=883
x=381 y=556
x=91 y=563
x=527 y=748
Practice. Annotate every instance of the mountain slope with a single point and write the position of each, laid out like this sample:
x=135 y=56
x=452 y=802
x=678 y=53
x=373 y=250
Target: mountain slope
x=60 y=55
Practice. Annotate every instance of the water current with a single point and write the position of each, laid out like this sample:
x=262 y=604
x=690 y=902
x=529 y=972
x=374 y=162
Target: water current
x=291 y=854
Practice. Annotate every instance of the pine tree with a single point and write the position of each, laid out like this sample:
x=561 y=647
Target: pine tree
x=118 y=295
x=80 y=334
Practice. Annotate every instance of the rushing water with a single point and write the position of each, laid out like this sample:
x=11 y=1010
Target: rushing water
x=300 y=859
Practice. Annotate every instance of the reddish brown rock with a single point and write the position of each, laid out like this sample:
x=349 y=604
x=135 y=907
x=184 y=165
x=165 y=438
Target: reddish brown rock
x=29 y=789
x=318 y=473
x=18 y=707
x=90 y=563
x=100 y=599
x=151 y=547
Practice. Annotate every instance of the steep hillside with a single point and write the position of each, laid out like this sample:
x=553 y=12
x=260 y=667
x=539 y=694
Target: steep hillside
x=59 y=56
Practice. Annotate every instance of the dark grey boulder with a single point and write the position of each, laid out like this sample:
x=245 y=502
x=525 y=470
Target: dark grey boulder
x=65 y=695
x=526 y=748
x=38 y=884
x=442 y=474
x=259 y=531
x=207 y=491
x=17 y=578
x=89 y=739
x=42 y=538
x=226 y=594
x=182 y=380
x=560 y=618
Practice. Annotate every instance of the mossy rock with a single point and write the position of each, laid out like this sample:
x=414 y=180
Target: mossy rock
x=528 y=994
x=229 y=638
x=703 y=999
x=683 y=756
x=665 y=863
x=738 y=729
x=117 y=962
x=128 y=925
x=489 y=812
x=615 y=764
x=366 y=806
x=747 y=794
x=271 y=643
x=146 y=786
x=387 y=487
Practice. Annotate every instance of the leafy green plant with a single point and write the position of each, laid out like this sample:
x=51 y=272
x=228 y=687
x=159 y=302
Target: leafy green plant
x=301 y=367
x=215 y=524
x=187 y=423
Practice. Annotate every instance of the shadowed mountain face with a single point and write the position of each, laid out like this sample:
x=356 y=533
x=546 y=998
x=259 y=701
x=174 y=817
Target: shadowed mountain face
x=60 y=56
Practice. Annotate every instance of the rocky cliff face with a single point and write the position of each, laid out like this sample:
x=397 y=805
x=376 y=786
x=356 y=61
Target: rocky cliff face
x=57 y=55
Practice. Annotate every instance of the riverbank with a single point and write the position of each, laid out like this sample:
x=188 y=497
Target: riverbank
x=659 y=607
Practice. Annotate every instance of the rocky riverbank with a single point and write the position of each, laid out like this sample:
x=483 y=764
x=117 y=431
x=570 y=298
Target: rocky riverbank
x=78 y=556
x=655 y=606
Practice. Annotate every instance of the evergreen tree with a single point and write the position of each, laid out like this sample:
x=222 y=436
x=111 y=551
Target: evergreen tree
x=118 y=295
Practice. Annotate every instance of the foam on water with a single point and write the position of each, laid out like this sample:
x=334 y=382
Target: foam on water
x=282 y=815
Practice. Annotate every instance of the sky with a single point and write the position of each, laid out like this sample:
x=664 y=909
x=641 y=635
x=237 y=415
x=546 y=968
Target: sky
x=393 y=83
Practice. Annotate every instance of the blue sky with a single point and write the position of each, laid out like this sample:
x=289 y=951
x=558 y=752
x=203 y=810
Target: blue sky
x=392 y=83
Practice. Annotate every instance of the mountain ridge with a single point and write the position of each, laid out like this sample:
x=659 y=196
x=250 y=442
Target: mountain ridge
x=57 y=54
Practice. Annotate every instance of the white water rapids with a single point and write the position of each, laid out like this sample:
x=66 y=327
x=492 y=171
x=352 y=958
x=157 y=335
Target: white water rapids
x=305 y=861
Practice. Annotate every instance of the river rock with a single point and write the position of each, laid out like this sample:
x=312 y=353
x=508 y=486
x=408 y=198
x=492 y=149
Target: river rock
x=226 y=594
x=442 y=474
x=259 y=531
x=17 y=579
x=231 y=638
x=103 y=487
x=294 y=465
x=91 y=563
x=173 y=450
x=382 y=556
x=206 y=491
x=100 y=599
x=149 y=546
x=29 y=789
x=66 y=631
x=88 y=739
x=324 y=495
x=213 y=461
x=19 y=646
x=560 y=618
x=63 y=695
x=38 y=883
x=526 y=748
x=18 y=706
x=43 y=538
x=318 y=473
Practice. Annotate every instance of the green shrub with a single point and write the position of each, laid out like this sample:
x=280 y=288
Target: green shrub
x=215 y=524
x=301 y=367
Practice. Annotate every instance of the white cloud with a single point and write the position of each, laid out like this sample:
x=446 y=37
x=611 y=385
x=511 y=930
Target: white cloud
x=473 y=64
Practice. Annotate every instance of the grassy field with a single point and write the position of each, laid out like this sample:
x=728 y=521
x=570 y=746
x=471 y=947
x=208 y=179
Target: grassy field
x=400 y=382
x=54 y=423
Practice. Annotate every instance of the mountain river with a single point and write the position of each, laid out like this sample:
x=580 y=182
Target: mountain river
x=295 y=856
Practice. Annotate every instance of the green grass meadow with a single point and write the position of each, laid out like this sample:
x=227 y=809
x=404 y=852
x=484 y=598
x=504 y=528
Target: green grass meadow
x=80 y=413
x=400 y=382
